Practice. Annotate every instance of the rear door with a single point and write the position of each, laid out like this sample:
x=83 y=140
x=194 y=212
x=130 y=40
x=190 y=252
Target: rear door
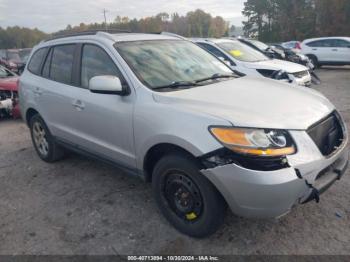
x=102 y=123
x=56 y=89
x=341 y=50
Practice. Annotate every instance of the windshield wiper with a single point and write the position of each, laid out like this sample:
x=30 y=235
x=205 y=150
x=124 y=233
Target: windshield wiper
x=213 y=77
x=177 y=84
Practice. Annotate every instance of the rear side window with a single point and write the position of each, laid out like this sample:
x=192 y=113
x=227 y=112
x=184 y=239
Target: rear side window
x=62 y=63
x=36 y=60
x=320 y=43
x=96 y=62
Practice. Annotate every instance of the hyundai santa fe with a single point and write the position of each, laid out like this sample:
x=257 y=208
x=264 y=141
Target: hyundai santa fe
x=162 y=108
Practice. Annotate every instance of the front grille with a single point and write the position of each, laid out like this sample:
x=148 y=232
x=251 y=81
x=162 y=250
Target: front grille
x=327 y=134
x=301 y=74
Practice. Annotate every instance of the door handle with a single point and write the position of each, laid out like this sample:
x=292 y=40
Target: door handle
x=314 y=49
x=78 y=104
x=334 y=49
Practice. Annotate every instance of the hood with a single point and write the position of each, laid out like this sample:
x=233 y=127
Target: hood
x=10 y=83
x=276 y=64
x=254 y=102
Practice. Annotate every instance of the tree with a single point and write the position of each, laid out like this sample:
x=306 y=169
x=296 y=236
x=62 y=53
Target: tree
x=20 y=37
x=283 y=20
x=198 y=23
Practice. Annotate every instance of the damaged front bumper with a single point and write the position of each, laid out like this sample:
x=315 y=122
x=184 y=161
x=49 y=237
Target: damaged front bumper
x=266 y=194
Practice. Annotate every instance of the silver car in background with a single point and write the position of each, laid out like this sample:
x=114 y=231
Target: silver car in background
x=162 y=108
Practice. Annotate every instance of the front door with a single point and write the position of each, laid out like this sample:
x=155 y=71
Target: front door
x=103 y=122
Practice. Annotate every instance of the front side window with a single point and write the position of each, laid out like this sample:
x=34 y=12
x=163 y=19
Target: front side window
x=96 y=62
x=62 y=63
x=242 y=52
x=36 y=60
x=164 y=62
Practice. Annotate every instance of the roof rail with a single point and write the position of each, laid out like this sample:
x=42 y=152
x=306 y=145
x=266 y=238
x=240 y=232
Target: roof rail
x=174 y=35
x=89 y=32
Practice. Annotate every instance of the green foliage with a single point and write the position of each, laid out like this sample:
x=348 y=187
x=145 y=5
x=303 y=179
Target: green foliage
x=197 y=24
x=283 y=20
x=17 y=37
x=194 y=24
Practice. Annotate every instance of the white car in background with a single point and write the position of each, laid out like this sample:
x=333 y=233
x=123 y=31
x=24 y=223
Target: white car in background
x=327 y=50
x=244 y=59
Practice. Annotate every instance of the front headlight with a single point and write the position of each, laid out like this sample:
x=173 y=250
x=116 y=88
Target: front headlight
x=257 y=142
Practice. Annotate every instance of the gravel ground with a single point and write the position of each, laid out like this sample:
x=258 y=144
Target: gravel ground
x=81 y=206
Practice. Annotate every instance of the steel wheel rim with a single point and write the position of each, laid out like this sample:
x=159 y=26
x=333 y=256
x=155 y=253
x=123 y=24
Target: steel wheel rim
x=182 y=196
x=39 y=136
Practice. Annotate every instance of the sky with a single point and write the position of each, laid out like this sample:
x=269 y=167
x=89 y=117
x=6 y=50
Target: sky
x=50 y=16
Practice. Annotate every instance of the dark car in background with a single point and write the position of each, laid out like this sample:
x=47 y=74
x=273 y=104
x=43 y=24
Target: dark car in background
x=14 y=59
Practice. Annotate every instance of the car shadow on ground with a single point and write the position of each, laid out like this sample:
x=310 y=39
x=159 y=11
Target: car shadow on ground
x=335 y=68
x=241 y=235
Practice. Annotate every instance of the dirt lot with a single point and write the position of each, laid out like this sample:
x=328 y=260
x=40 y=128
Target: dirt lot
x=81 y=206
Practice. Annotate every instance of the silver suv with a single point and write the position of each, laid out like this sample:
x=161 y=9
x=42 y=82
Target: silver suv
x=163 y=108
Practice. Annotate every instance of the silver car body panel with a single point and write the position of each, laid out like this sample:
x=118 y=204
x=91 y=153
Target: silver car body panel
x=289 y=108
x=124 y=128
x=268 y=194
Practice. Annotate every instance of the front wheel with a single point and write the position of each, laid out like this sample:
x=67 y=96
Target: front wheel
x=186 y=198
x=314 y=61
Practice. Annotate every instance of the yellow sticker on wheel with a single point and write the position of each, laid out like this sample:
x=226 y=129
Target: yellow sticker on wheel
x=191 y=216
x=236 y=53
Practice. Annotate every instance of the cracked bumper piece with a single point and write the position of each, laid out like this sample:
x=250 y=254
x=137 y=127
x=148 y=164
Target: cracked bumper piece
x=268 y=194
x=262 y=194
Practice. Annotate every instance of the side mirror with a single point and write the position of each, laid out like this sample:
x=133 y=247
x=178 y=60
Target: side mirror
x=106 y=85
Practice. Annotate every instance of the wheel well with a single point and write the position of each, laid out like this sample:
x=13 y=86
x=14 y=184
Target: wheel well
x=312 y=55
x=30 y=113
x=156 y=152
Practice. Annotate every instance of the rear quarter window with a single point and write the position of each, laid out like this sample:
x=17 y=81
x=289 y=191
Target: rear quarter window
x=36 y=61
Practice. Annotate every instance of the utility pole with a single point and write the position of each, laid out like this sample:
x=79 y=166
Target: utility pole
x=104 y=14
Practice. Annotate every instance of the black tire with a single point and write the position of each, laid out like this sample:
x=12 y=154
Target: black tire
x=314 y=60
x=54 y=151
x=209 y=213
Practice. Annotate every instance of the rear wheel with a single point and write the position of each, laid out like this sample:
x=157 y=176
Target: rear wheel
x=43 y=142
x=186 y=198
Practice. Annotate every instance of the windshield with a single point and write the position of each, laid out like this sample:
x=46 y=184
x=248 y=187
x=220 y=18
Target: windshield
x=260 y=45
x=13 y=56
x=160 y=63
x=242 y=52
